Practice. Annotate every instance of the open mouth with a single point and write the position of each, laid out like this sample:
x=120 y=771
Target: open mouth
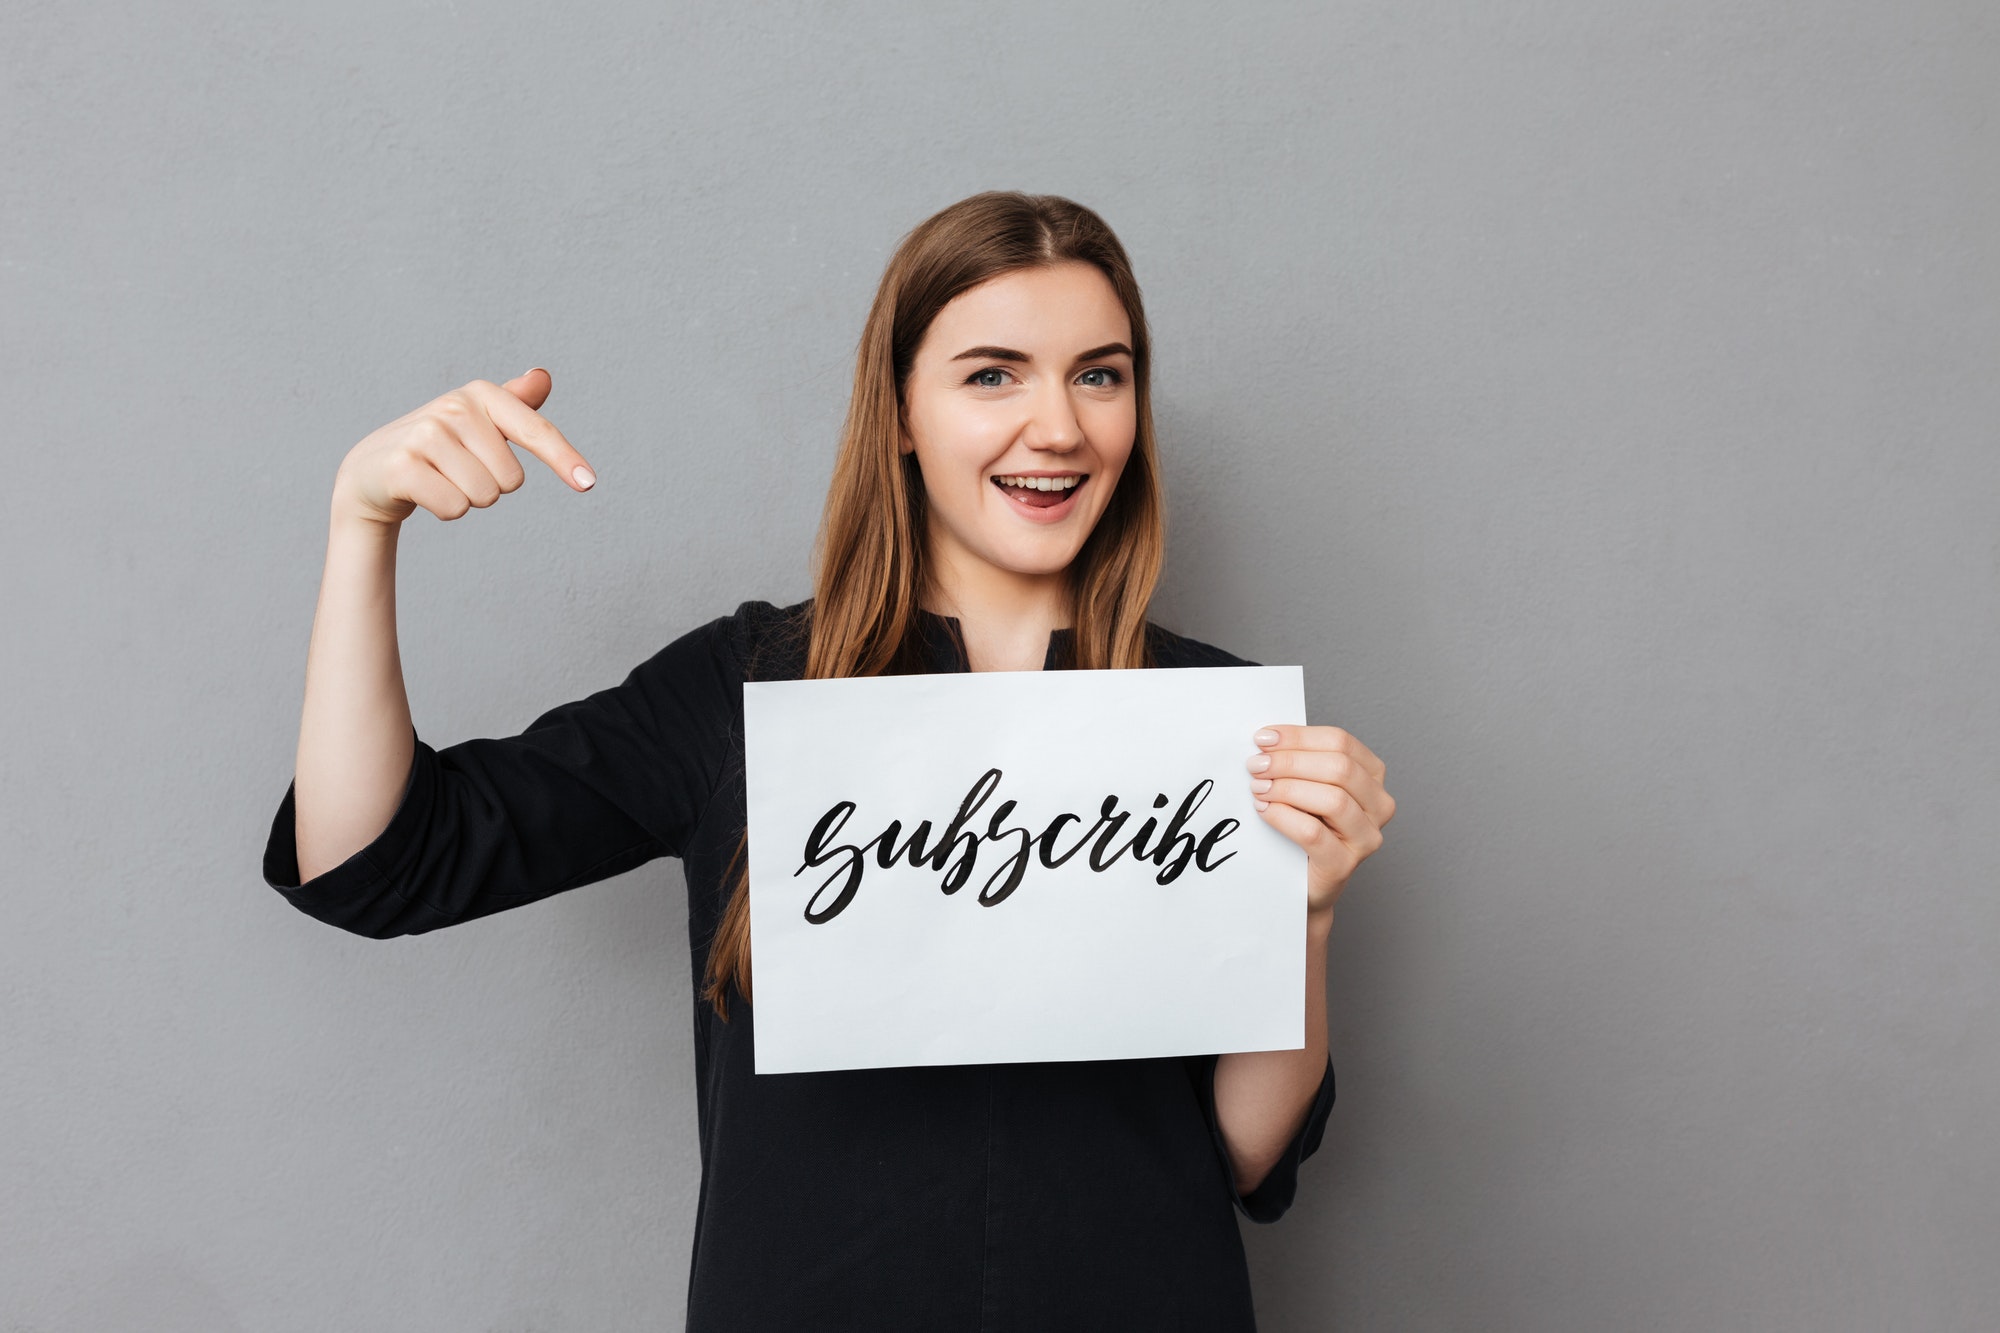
x=1045 y=494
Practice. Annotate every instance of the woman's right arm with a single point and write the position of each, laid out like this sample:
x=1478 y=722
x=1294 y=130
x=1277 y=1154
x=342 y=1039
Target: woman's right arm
x=355 y=736
x=356 y=740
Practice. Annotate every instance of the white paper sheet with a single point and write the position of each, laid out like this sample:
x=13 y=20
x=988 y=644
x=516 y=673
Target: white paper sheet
x=1073 y=963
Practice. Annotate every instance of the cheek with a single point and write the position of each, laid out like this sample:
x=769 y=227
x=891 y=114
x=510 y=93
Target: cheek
x=952 y=454
x=1114 y=428
x=959 y=441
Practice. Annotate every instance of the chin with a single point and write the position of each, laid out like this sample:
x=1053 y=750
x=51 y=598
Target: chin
x=1038 y=563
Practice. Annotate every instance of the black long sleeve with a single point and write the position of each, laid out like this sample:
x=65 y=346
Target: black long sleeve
x=590 y=789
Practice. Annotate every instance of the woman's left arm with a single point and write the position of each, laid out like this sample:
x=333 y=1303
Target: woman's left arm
x=1322 y=788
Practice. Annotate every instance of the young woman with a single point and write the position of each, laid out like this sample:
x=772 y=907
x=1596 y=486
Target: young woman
x=995 y=505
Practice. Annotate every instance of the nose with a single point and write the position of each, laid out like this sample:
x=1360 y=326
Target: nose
x=1052 y=423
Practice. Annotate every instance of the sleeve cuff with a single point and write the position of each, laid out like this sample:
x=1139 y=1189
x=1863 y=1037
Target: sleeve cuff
x=1274 y=1193
x=353 y=880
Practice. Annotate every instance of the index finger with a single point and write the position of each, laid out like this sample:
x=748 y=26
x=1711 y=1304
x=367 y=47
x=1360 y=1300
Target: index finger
x=532 y=431
x=1339 y=739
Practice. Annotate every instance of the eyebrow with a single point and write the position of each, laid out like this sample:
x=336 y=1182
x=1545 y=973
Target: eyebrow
x=1009 y=354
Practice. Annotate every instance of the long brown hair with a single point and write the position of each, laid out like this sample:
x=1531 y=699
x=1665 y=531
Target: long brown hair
x=869 y=568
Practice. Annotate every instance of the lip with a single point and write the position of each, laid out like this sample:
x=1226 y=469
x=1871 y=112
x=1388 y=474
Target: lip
x=1054 y=513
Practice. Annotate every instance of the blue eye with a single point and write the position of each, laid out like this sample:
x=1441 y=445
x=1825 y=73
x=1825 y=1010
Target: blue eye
x=974 y=378
x=1116 y=377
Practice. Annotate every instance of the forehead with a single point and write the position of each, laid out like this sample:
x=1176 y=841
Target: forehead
x=1052 y=312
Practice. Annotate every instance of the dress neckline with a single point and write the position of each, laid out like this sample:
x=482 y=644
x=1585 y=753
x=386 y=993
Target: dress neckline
x=944 y=640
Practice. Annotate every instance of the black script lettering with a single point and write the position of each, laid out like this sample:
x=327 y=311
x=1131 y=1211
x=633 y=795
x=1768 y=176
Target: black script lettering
x=956 y=849
x=1048 y=841
x=1111 y=824
x=886 y=851
x=818 y=854
x=1214 y=835
x=967 y=844
x=1140 y=852
x=1014 y=866
x=1103 y=814
x=1175 y=835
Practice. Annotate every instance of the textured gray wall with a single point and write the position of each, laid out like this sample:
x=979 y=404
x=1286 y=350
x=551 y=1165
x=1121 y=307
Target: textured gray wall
x=1599 y=401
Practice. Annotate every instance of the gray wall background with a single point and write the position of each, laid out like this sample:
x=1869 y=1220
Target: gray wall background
x=1598 y=400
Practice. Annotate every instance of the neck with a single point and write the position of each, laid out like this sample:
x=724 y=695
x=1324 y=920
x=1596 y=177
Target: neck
x=1006 y=618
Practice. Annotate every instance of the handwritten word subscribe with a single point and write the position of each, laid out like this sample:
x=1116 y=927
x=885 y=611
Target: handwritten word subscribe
x=957 y=848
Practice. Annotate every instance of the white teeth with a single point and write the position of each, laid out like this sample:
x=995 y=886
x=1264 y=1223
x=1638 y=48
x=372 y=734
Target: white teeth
x=1041 y=483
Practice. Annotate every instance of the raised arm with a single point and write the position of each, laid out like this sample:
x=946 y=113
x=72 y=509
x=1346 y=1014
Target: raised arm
x=356 y=742
x=355 y=736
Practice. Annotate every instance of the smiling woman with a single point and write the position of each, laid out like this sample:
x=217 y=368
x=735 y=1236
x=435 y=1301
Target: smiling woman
x=995 y=505
x=1034 y=426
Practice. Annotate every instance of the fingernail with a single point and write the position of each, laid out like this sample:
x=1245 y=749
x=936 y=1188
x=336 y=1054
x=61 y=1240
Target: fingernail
x=1266 y=737
x=1262 y=805
x=544 y=369
x=1260 y=784
x=584 y=477
x=1258 y=763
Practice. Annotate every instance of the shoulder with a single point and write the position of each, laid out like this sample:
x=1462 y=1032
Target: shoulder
x=1178 y=650
x=767 y=641
x=758 y=640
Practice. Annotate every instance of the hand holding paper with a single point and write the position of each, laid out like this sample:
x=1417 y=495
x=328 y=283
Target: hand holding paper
x=1322 y=788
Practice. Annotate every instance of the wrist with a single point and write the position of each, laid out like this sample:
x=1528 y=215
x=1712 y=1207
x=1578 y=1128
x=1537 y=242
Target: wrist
x=345 y=523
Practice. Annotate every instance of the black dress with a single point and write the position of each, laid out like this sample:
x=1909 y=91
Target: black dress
x=1046 y=1196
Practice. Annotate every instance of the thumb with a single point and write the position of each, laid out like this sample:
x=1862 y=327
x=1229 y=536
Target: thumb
x=531 y=386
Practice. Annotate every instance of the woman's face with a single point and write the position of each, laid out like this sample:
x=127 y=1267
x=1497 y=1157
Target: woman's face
x=1021 y=411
